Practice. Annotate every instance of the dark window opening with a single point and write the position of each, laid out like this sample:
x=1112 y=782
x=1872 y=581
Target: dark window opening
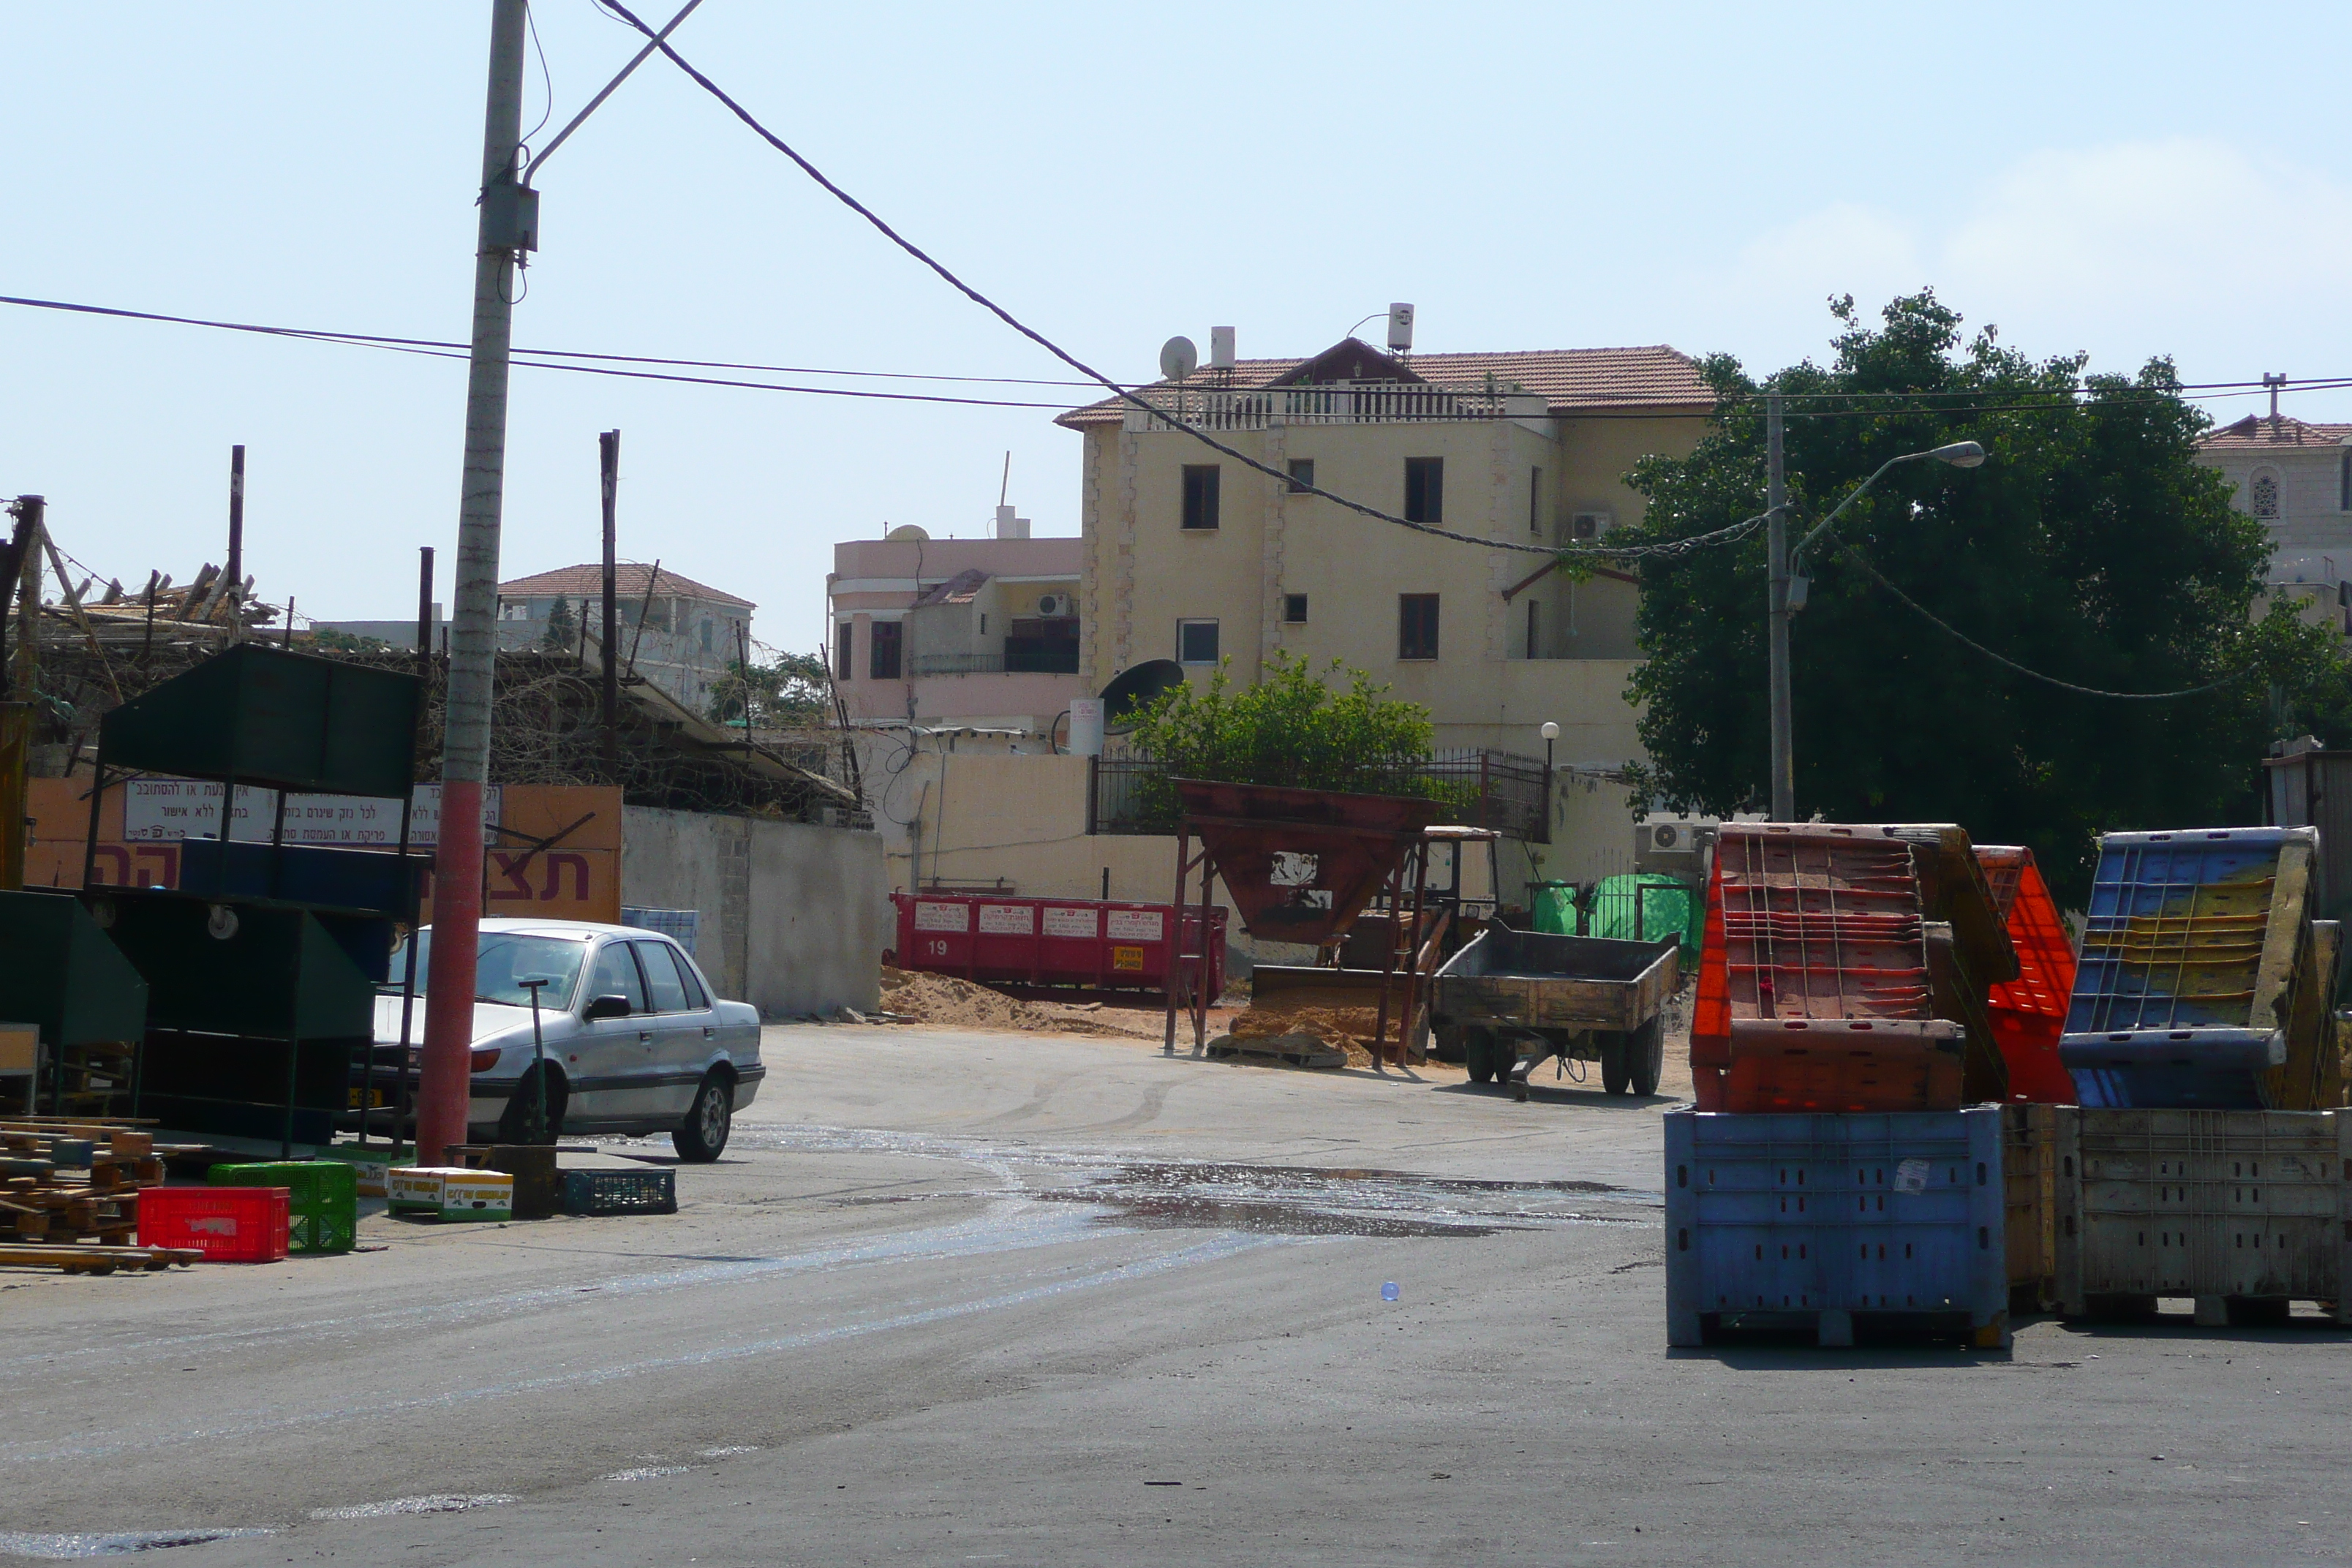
x=1424 y=489
x=1201 y=495
x=1535 y=501
x=843 y=665
x=1196 y=642
x=1535 y=625
x=1294 y=608
x=1302 y=475
x=1048 y=646
x=884 y=638
x=1417 y=626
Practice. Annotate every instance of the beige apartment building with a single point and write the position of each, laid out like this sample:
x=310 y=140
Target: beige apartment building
x=1191 y=556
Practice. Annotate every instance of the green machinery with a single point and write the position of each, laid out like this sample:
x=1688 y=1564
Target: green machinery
x=261 y=967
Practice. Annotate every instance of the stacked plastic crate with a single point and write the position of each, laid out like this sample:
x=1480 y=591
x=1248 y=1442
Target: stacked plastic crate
x=2208 y=1158
x=1830 y=1172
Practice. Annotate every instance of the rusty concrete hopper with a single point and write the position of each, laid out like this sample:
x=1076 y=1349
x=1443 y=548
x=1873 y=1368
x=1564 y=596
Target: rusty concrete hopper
x=1301 y=864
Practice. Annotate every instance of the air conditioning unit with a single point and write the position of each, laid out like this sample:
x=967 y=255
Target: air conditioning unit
x=1677 y=845
x=1056 y=604
x=1587 y=527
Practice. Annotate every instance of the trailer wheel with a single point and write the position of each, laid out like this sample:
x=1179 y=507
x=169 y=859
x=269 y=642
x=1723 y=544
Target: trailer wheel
x=1613 y=1061
x=1646 y=1056
x=1478 y=1054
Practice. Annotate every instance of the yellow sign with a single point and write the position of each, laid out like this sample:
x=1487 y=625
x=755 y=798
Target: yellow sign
x=1127 y=958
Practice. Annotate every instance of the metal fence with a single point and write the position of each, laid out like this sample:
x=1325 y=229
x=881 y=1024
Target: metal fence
x=1486 y=788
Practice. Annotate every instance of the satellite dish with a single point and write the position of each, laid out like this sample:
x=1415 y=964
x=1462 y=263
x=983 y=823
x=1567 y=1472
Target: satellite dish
x=906 y=534
x=1132 y=690
x=1179 y=359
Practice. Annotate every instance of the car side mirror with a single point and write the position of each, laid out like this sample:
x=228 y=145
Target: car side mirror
x=607 y=1007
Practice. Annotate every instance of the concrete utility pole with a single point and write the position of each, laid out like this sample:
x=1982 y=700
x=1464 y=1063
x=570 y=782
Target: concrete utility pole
x=235 y=592
x=608 y=452
x=506 y=231
x=1776 y=498
x=24 y=583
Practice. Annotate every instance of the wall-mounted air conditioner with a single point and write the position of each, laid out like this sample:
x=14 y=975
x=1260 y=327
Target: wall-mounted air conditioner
x=1587 y=527
x=1677 y=845
x=1052 y=604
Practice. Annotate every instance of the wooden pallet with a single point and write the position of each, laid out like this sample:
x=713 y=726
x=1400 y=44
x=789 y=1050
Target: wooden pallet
x=95 y=1259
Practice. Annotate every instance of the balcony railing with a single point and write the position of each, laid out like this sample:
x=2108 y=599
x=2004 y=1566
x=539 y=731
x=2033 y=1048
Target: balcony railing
x=1382 y=403
x=1500 y=790
x=958 y=664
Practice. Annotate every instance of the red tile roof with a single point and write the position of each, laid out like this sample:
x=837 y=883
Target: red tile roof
x=583 y=583
x=2259 y=432
x=1570 y=381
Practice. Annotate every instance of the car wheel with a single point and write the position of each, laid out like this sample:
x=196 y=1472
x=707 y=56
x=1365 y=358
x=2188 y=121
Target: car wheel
x=516 y=1121
x=702 y=1136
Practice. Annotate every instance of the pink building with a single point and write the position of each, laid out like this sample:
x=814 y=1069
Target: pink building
x=978 y=633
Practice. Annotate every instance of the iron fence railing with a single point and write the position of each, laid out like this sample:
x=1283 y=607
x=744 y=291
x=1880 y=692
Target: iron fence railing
x=1486 y=788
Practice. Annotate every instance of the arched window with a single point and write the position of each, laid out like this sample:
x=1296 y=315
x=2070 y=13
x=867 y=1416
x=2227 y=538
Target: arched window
x=2264 y=494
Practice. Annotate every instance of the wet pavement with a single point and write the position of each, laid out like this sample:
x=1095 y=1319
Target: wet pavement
x=957 y=1298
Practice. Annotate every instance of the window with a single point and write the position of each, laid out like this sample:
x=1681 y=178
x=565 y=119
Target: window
x=1302 y=473
x=661 y=977
x=1196 y=642
x=1535 y=506
x=843 y=656
x=695 y=997
x=885 y=637
x=1424 y=489
x=1417 y=626
x=1535 y=629
x=2266 y=495
x=706 y=637
x=1201 y=495
x=1294 y=608
x=615 y=974
x=983 y=622
x=2344 y=483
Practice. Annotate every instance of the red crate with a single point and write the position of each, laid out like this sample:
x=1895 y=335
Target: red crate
x=1844 y=1065
x=227 y=1225
x=1050 y=942
x=2029 y=1013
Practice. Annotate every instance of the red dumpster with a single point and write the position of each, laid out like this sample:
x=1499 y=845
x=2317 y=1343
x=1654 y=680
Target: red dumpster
x=1050 y=942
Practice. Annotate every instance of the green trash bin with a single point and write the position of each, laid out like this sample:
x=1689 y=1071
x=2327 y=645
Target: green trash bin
x=1646 y=906
x=323 y=1199
x=1555 y=908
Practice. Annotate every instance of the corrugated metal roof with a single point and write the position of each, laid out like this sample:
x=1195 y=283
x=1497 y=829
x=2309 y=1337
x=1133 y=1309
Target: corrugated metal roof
x=1570 y=381
x=631 y=578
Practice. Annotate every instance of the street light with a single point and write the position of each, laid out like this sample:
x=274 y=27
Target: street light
x=1789 y=589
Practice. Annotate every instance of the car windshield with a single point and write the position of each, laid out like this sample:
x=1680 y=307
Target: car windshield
x=504 y=961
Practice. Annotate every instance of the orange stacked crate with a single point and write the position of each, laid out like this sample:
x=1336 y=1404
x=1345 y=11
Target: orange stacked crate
x=2029 y=1013
x=1814 y=990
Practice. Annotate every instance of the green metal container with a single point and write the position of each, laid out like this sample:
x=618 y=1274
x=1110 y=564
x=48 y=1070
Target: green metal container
x=323 y=1199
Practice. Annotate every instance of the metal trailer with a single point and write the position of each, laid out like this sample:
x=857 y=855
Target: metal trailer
x=1512 y=998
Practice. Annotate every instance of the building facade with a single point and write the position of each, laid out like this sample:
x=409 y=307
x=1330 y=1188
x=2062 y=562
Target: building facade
x=2295 y=479
x=1191 y=556
x=678 y=634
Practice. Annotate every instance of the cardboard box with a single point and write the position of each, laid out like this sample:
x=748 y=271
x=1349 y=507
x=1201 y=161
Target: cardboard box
x=476 y=1195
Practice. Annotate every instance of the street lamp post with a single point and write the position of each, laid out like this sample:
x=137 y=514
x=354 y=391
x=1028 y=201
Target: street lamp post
x=1787 y=587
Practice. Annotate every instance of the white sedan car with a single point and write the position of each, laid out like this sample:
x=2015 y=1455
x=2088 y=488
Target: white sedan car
x=635 y=1041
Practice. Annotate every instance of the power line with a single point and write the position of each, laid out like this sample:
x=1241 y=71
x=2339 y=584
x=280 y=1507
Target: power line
x=1855 y=556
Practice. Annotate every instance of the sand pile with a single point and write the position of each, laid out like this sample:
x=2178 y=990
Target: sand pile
x=1344 y=1020
x=946 y=1001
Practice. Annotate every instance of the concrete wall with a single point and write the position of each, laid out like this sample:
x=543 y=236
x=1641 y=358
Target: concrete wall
x=793 y=916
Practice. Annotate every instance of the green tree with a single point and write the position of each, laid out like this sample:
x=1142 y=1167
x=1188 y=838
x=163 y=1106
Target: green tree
x=1291 y=729
x=563 y=627
x=791 y=693
x=2090 y=546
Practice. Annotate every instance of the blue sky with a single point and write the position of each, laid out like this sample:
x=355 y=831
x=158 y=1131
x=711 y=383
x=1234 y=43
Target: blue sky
x=2126 y=180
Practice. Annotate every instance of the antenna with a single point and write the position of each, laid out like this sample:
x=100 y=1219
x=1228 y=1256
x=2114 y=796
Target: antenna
x=1005 y=489
x=1179 y=359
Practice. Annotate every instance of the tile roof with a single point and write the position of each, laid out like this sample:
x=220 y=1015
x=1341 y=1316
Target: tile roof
x=2259 y=432
x=581 y=582
x=1570 y=381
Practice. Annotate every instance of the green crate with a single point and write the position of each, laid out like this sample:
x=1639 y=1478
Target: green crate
x=323 y=1199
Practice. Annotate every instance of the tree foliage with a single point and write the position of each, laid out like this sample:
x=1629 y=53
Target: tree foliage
x=562 y=627
x=1289 y=729
x=794 y=692
x=2090 y=546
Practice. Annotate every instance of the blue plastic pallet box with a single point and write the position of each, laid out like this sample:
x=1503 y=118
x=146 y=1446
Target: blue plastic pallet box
x=1800 y=1220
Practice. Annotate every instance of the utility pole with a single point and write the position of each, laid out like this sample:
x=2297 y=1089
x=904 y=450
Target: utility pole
x=506 y=230
x=1776 y=498
x=608 y=452
x=236 y=593
x=24 y=578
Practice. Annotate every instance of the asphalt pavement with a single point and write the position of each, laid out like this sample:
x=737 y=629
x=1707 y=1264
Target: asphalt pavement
x=1000 y=1298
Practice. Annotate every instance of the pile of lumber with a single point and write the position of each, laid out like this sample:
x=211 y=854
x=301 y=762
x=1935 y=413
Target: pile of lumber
x=69 y=1194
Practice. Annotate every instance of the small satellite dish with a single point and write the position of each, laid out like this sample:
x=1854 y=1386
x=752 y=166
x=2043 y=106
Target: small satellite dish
x=1179 y=359
x=907 y=533
x=1135 y=689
